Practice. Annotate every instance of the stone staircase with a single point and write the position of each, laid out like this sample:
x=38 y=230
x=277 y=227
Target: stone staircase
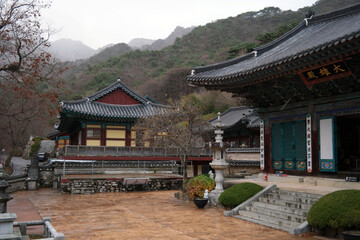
x=280 y=209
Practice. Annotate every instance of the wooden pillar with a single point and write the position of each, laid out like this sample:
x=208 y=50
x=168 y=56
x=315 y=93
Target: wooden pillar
x=83 y=135
x=128 y=136
x=103 y=135
x=267 y=142
x=195 y=166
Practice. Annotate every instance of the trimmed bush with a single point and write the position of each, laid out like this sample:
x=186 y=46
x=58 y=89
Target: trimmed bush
x=35 y=146
x=340 y=209
x=196 y=186
x=238 y=194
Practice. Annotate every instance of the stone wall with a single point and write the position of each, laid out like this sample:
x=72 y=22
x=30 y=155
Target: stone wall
x=241 y=171
x=90 y=186
x=16 y=183
x=46 y=176
x=242 y=162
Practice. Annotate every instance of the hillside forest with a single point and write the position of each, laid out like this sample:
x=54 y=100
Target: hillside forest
x=161 y=74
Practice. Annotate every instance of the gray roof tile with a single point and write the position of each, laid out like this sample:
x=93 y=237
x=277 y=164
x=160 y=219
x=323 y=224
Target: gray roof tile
x=322 y=32
x=234 y=115
x=91 y=108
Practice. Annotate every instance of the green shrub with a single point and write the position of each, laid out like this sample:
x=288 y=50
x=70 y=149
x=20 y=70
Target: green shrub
x=197 y=185
x=35 y=146
x=340 y=209
x=238 y=194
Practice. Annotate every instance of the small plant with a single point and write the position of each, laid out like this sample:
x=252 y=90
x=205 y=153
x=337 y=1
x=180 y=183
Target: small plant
x=340 y=209
x=196 y=186
x=238 y=194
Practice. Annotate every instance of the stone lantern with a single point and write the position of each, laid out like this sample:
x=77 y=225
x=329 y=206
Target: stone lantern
x=219 y=163
x=6 y=219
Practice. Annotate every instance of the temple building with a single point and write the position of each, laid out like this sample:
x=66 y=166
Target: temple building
x=106 y=118
x=305 y=86
x=241 y=127
x=101 y=127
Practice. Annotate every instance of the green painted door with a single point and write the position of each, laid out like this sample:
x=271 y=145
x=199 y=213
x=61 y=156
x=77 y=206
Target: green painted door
x=288 y=141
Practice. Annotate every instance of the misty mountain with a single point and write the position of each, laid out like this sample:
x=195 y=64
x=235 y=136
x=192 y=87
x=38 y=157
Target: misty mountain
x=148 y=44
x=153 y=72
x=160 y=44
x=137 y=43
x=70 y=50
x=113 y=50
x=104 y=47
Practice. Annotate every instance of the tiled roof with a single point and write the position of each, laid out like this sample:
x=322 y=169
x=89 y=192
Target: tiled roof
x=236 y=114
x=311 y=37
x=97 y=109
x=91 y=108
x=118 y=84
x=53 y=134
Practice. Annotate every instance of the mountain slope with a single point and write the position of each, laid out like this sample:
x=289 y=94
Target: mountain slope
x=202 y=46
x=162 y=43
x=138 y=43
x=70 y=50
x=109 y=52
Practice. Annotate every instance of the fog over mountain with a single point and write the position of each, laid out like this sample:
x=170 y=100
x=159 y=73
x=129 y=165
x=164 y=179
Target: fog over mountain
x=170 y=40
x=70 y=50
x=137 y=43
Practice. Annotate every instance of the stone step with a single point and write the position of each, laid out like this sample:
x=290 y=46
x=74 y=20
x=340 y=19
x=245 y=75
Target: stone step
x=300 y=194
x=292 y=198
x=286 y=203
x=267 y=224
x=278 y=214
x=297 y=211
x=269 y=219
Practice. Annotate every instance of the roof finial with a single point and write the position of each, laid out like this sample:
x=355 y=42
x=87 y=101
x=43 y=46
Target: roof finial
x=119 y=80
x=255 y=53
x=309 y=16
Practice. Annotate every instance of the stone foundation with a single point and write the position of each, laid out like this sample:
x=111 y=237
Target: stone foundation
x=46 y=176
x=90 y=186
x=241 y=171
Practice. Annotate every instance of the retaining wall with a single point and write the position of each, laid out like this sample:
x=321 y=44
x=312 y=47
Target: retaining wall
x=90 y=186
x=16 y=183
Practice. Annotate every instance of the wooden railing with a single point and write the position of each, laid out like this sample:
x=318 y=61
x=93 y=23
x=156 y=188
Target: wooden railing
x=78 y=150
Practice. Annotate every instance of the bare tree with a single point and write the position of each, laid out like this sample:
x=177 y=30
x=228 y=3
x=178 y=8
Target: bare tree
x=29 y=80
x=181 y=128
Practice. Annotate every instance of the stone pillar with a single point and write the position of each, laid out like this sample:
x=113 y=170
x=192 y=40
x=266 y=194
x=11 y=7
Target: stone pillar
x=219 y=162
x=33 y=174
x=6 y=219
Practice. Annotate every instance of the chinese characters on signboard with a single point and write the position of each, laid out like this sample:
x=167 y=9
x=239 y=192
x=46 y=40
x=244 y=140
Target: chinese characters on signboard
x=262 y=151
x=308 y=144
x=326 y=71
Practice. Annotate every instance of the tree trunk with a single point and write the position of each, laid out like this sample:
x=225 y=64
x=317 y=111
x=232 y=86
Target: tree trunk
x=185 y=163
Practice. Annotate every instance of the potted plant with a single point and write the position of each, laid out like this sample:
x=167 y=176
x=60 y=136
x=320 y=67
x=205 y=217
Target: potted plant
x=196 y=187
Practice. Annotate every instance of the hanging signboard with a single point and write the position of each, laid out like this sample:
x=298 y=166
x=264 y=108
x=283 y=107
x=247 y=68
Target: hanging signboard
x=308 y=144
x=262 y=146
x=324 y=73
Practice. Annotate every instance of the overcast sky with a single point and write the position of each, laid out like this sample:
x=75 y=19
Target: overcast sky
x=100 y=22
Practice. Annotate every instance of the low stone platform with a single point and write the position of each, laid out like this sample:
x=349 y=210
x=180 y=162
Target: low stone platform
x=89 y=184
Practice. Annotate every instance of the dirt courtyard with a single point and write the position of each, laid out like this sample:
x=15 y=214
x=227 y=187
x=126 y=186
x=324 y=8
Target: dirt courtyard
x=138 y=215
